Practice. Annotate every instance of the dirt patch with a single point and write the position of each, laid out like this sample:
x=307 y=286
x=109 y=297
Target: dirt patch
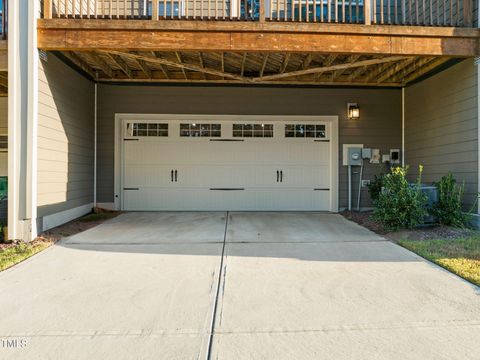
x=366 y=220
x=421 y=233
x=77 y=226
x=71 y=228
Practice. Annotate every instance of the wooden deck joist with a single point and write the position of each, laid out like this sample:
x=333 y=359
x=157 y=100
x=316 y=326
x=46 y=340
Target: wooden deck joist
x=269 y=37
x=252 y=68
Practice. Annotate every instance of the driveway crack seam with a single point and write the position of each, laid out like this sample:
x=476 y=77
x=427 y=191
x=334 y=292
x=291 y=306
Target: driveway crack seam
x=217 y=292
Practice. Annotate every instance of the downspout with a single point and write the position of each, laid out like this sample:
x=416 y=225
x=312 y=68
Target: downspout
x=95 y=151
x=403 y=126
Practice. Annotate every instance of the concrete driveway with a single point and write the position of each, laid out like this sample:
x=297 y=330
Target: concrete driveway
x=242 y=286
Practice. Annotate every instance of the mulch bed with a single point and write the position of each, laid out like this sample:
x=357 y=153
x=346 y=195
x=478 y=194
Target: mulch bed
x=421 y=233
x=68 y=229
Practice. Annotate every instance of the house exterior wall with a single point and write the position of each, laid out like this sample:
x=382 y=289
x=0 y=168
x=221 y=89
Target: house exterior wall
x=441 y=126
x=65 y=139
x=379 y=126
x=3 y=131
x=3 y=115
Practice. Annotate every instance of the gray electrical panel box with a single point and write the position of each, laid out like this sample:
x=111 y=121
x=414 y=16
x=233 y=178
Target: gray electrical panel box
x=354 y=156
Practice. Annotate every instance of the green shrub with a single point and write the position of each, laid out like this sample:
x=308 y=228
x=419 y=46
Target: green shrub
x=375 y=186
x=399 y=204
x=448 y=208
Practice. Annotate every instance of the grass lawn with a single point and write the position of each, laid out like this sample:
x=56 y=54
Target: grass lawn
x=460 y=256
x=17 y=253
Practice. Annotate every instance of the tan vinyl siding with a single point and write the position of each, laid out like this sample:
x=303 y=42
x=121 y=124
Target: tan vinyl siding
x=3 y=115
x=441 y=126
x=3 y=131
x=379 y=126
x=65 y=138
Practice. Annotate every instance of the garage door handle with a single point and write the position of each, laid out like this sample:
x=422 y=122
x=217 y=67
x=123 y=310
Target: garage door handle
x=281 y=175
x=176 y=172
x=278 y=175
x=171 y=176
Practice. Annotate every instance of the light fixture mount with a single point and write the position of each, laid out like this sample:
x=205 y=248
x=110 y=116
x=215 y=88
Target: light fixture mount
x=353 y=111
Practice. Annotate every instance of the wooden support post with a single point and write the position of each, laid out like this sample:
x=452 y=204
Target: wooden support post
x=47 y=9
x=155 y=10
x=367 y=12
x=467 y=13
x=262 y=11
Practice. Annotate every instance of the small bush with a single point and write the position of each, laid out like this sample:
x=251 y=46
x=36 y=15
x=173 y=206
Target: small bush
x=375 y=186
x=399 y=204
x=448 y=208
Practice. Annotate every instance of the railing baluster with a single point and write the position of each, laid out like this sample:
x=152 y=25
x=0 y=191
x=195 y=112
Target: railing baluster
x=444 y=12
x=451 y=12
x=389 y=14
x=395 y=12
x=350 y=11
x=458 y=18
x=381 y=12
x=320 y=4
x=430 y=6
x=467 y=13
x=424 y=19
x=336 y=10
x=358 y=11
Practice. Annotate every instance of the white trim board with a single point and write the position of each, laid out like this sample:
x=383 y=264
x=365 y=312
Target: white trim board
x=62 y=217
x=332 y=119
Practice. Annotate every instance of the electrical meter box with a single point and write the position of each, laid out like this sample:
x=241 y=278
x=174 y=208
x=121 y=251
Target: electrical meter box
x=354 y=156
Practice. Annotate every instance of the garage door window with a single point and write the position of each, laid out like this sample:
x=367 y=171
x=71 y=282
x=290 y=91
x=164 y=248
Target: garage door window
x=253 y=130
x=200 y=130
x=147 y=129
x=305 y=131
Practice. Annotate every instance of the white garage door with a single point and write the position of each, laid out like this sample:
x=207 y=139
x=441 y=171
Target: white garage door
x=236 y=164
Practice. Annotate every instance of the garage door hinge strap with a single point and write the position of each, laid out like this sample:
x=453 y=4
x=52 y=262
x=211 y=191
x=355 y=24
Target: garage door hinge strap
x=131 y=139
x=131 y=189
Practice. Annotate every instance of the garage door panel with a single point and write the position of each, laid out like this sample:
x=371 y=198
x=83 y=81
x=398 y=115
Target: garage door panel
x=147 y=175
x=194 y=199
x=226 y=173
x=306 y=176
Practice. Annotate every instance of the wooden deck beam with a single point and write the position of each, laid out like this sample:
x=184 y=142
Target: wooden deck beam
x=91 y=35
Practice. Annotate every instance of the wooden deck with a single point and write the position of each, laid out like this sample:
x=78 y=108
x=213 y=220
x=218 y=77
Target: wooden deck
x=115 y=42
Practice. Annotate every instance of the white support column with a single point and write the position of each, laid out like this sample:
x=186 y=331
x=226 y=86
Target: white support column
x=22 y=119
